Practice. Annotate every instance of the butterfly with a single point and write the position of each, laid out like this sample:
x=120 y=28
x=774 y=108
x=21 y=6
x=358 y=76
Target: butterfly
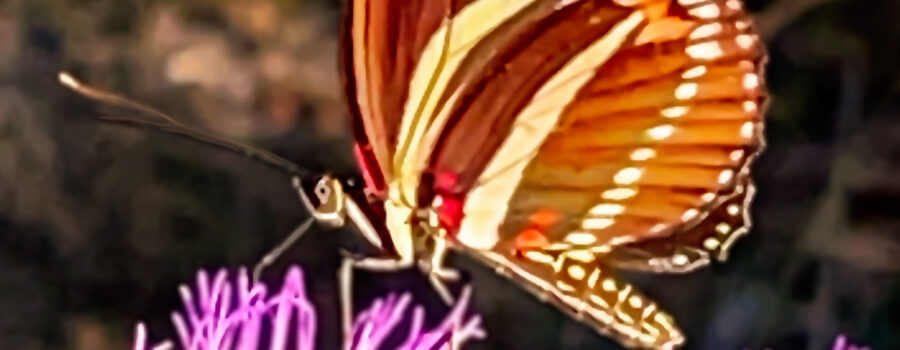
x=556 y=141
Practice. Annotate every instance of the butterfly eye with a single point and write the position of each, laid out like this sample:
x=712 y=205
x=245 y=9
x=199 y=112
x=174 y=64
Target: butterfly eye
x=322 y=191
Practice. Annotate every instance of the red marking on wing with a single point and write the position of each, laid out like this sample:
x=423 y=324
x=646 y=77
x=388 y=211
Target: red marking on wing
x=447 y=202
x=450 y=212
x=445 y=181
x=544 y=217
x=531 y=238
x=371 y=173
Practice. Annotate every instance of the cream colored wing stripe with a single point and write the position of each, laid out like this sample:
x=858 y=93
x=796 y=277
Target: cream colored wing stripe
x=487 y=202
x=429 y=80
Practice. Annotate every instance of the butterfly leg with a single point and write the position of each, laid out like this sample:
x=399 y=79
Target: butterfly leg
x=438 y=268
x=273 y=255
x=438 y=274
x=441 y=288
x=345 y=280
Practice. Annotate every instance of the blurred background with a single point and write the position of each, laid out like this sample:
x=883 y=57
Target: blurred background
x=99 y=223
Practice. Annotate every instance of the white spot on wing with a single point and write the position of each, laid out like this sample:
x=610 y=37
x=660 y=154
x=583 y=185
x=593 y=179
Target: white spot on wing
x=745 y=41
x=597 y=223
x=607 y=209
x=539 y=257
x=706 y=11
x=595 y=275
x=694 y=73
x=608 y=285
x=751 y=81
x=576 y=272
x=686 y=91
x=750 y=106
x=642 y=154
x=565 y=286
x=747 y=130
x=627 y=176
x=711 y=243
x=723 y=228
x=689 y=214
x=725 y=176
x=581 y=238
x=733 y=209
x=705 y=51
x=619 y=194
x=635 y=301
x=661 y=132
x=582 y=255
x=706 y=30
x=675 y=112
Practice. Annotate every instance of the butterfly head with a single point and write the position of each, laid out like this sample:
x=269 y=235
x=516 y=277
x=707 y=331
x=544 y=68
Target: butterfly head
x=323 y=197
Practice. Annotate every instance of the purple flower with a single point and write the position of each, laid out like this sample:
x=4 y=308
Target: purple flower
x=841 y=343
x=241 y=316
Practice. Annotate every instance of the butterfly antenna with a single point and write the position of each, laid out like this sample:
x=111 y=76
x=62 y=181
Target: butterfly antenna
x=134 y=113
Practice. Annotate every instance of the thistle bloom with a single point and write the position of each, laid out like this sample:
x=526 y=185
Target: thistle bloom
x=841 y=343
x=225 y=316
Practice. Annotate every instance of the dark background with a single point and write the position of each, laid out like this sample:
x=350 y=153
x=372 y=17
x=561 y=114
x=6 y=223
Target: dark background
x=99 y=223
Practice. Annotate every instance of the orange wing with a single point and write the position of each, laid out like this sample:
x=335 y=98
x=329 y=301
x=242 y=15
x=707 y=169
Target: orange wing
x=624 y=120
x=653 y=142
x=633 y=150
x=556 y=138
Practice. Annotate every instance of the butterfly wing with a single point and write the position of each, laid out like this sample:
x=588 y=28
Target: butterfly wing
x=548 y=132
x=620 y=132
x=620 y=144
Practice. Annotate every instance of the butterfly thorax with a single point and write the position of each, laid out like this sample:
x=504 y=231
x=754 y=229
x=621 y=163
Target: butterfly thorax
x=414 y=226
